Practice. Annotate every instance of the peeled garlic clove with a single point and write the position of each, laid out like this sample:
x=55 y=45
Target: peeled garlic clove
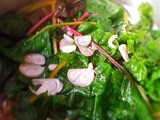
x=54 y=90
x=111 y=40
x=68 y=38
x=50 y=85
x=83 y=40
x=35 y=58
x=73 y=74
x=93 y=47
x=81 y=77
x=52 y=66
x=67 y=47
x=86 y=51
x=41 y=89
x=63 y=42
x=123 y=50
x=69 y=33
x=31 y=70
x=37 y=81
x=90 y=66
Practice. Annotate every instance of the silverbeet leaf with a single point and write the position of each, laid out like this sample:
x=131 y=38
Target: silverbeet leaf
x=40 y=43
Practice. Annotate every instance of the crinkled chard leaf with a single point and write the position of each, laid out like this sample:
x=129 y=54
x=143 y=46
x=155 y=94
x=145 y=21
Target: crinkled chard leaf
x=40 y=43
x=69 y=8
x=14 y=25
x=123 y=101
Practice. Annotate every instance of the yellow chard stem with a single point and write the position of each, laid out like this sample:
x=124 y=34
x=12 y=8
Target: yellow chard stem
x=33 y=97
x=54 y=42
x=63 y=24
x=58 y=68
x=53 y=7
x=125 y=17
x=38 y=6
x=52 y=75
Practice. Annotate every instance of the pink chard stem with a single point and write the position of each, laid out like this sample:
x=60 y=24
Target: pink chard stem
x=40 y=22
x=100 y=49
x=83 y=17
x=71 y=30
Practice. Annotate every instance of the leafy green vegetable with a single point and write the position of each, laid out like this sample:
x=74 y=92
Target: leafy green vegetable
x=137 y=69
x=23 y=106
x=106 y=12
x=14 y=25
x=86 y=28
x=123 y=100
x=153 y=86
x=39 y=43
x=6 y=69
x=111 y=95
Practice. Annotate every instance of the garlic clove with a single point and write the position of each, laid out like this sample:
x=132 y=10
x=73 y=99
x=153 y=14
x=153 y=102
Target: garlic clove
x=68 y=38
x=86 y=51
x=42 y=89
x=82 y=40
x=69 y=33
x=123 y=50
x=50 y=85
x=52 y=66
x=81 y=77
x=58 y=88
x=111 y=40
x=93 y=47
x=63 y=42
x=67 y=47
x=73 y=74
x=31 y=70
x=37 y=81
x=35 y=58
x=90 y=66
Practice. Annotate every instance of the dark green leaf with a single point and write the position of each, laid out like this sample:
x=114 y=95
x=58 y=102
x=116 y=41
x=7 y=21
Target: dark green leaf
x=40 y=43
x=14 y=25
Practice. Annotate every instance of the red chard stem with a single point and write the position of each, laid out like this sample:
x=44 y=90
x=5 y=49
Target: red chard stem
x=40 y=22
